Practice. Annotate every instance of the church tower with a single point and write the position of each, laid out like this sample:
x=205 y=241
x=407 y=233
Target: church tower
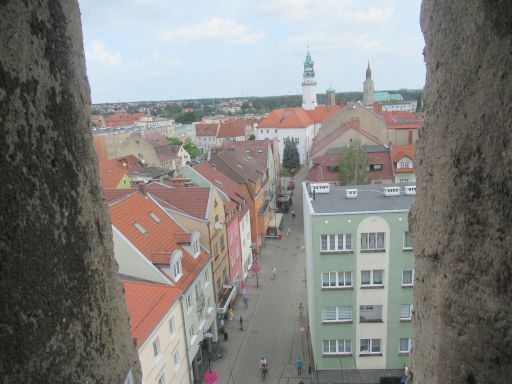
x=368 y=87
x=309 y=85
x=331 y=97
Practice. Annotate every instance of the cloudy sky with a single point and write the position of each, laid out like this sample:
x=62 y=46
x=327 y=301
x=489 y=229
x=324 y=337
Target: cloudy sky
x=169 y=49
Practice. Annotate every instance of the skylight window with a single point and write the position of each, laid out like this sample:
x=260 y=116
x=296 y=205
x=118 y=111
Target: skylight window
x=260 y=150
x=140 y=228
x=154 y=217
x=218 y=182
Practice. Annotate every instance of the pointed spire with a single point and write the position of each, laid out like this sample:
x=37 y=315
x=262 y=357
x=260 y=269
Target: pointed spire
x=308 y=66
x=368 y=71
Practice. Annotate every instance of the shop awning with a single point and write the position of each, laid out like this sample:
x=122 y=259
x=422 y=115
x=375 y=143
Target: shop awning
x=226 y=299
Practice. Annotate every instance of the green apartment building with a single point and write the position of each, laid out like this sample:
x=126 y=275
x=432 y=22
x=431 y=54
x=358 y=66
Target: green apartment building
x=360 y=276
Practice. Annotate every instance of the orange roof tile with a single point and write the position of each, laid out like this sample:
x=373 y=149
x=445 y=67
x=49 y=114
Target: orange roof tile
x=110 y=173
x=147 y=304
x=113 y=194
x=286 y=118
x=322 y=112
x=193 y=201
x=221 y=181
x=232 y=128
x=203 y=129
x=399 y=151
x=158 y=242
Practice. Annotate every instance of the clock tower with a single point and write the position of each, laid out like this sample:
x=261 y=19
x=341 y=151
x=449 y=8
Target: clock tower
x=309 y=85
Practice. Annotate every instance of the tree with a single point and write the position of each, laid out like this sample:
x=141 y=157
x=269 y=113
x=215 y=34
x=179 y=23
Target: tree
x=175 y=141
x=291 y=158
x=354 y=164
x=252 y=137
x=185 y=117
x=191 y=148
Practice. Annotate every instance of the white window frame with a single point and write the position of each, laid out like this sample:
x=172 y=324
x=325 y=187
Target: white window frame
x=172 y=327
x=338 y=310
x=411 y=284
x=372 y=283
x=375 y=248
x=409 y=346
x=410 y=308
x=371 y=308
x=405 y=247
x=333 y=242
x=189 y=301
x=336 y=280
x=176 y=358
x=371 y=343
x=340 y=347
x=156 y=348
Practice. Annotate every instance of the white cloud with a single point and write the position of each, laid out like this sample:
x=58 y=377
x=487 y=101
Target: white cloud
x=155 y=55
x=99 y=54
x=215 y=29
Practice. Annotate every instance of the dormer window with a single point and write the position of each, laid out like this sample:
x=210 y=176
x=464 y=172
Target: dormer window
x=175 y=264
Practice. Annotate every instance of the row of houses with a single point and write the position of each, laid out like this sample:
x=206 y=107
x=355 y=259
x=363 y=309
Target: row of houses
x=184 y=245
x=386 y=165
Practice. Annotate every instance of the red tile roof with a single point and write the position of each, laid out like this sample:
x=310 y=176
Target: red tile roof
x=322 y=112
x=122 y=119
x=400 y=151
x=193 y=201
x=221 y=181
x=286 y=118
x=113 y=194
x=203 y=129
x=147 y=304
x=158 y=242
x=344 y=127
x=232 y=128
x=320 y=171
x=110 y=173
x=399 y=119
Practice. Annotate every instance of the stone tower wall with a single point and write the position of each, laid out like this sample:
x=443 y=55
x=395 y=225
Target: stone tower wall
x=462 y=219
x=63 y=318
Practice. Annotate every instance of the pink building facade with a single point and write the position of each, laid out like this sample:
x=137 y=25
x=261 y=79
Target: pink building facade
x=234 y=249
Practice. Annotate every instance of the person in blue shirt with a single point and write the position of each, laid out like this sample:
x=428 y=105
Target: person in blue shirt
x=298 y=364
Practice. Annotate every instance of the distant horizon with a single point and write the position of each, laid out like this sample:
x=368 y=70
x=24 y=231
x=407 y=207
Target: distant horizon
x=161 y=50
x=242 y=97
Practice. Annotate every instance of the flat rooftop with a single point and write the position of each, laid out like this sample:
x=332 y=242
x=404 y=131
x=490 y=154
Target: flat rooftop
x=370 y=198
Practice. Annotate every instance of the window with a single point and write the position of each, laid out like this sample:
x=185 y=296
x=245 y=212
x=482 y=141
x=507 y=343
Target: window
x=404 y=164
x=216 y=250
x=405 y=312
x=222 y=245
x=372 y=277
x=215 y=203
x=172 y=326
x=407 y=278
x=372 y=242
x=407 y=240
x=206 y=277
x=200 y=316
x=337 y=347
x=176 y=358
x=375 y=167
x=275 y=131
x=161 y=379
x=333 y=243
x=370 y=313
x=341 y=279
x=140 y=228
x=369 y=346
x=176 y=269
x=405 y=345
x=341 y=313
x=156 y=347
x=403 y=181
x=154 y=217
x=189 y=301
x=191 y=331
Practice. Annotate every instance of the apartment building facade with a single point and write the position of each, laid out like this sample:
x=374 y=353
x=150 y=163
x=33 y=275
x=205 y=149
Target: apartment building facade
x=360 y=277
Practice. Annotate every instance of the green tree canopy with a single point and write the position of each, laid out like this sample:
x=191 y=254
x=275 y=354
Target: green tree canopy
x=252 y=137
x=175 y=140
x=191 y=148
x=291 y=158
x=354 y=164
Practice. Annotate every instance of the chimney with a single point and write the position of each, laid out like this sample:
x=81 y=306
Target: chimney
x=142 y=189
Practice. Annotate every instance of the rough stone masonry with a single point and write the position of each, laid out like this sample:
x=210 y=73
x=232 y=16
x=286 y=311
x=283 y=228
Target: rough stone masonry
x=62 y=314
x=462 y=219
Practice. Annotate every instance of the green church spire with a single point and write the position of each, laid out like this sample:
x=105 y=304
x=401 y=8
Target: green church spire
x=309 y=71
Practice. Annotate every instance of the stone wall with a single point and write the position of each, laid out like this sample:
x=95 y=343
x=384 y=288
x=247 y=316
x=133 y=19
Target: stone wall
x=62 y=314
x=462 y=220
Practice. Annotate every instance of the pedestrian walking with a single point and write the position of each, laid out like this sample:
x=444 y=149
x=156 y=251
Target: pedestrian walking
x=298 y=364
x=221 y=322
x=230 y=314
x=293 y=213
x=289 y=231
x=246 y=301
x=274 y=272
x=241 y=323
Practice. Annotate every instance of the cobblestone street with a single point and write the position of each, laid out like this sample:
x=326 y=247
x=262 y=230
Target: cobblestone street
x=271 y=321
